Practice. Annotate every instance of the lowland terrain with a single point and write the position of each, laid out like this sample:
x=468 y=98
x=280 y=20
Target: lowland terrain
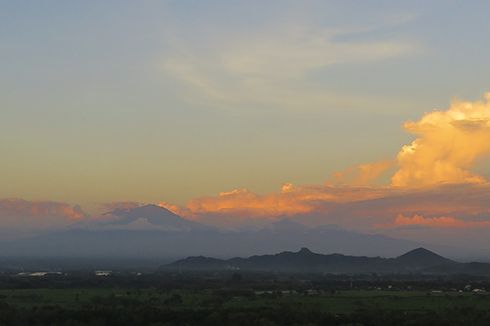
x=419 y=287
x=241 y=298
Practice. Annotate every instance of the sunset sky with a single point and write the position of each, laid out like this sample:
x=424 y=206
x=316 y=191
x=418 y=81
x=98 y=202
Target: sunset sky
x=368 y=115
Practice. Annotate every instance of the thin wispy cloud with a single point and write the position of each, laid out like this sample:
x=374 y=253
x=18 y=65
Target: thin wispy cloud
x=275 y=69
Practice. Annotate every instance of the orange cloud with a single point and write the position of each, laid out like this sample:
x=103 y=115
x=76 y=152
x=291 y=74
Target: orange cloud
x=246 y=203
x=433 y=178
x=443 y=221
x=19 y=207
x=358 y=208
x=181 y=211
x=448 y=144
x=37 y=214
x=291 y=200
x=362 y=175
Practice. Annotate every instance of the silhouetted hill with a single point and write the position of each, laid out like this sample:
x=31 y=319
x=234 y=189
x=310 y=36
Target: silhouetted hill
x=422 y=258
x=415 y=261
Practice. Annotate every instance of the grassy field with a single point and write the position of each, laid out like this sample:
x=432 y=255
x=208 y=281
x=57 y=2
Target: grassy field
x=238 y=307
x=343 y=302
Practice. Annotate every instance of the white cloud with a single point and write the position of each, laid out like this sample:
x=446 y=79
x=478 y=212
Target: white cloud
x=273 y=69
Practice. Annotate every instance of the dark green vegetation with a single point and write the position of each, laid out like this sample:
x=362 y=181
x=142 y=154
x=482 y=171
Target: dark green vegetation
x=231 y=298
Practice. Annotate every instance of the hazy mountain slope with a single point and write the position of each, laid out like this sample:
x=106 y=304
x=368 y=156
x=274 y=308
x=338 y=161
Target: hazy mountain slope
x=152 y=216
x=165 y=234
x=172 y=243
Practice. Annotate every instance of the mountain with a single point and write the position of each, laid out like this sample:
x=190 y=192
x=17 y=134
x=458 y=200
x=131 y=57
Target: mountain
x=415 y=261
x=151 y=217
x=287 y=235
x=287 y=225
x=422 y=258
x=154 y=232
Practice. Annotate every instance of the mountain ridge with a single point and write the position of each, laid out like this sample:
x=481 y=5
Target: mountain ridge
x=155 y=231
x=419 y=260
x=153 y=215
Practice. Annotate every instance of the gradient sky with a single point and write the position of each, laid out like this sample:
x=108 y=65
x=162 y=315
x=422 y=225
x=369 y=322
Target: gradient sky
x=151 y=101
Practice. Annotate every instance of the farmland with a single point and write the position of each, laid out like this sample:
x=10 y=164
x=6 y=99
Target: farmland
x=229 y=299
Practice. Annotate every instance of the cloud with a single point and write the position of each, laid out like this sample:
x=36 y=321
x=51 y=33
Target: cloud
x=438 y=222
x=433 y=186
x=366 y=174
x=295 y=53
x=447 y=146
x=359 y=208
x=38 y=214
x=181 y=211
x=243 y=202
x=272 y=69
x=431 y=177
x=119 y=205
x=291 y=200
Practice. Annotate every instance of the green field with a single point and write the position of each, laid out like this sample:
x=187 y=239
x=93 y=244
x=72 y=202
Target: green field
x=232 y=306
x=342 y=302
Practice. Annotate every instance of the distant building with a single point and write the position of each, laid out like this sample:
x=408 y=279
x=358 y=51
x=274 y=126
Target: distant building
x=103 y=273
x=38 y=274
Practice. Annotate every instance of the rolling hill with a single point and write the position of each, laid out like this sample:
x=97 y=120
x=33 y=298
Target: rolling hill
x=419 y=260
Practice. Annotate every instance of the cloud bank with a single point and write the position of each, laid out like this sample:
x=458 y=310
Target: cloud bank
x=438 y=222
x=432 y=185
x=432 y=182
x=19 y=213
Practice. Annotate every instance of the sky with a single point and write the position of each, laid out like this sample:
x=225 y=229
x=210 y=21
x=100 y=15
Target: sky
x=240 y=110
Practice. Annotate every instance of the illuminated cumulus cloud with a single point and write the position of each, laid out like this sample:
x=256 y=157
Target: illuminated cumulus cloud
x=34 y=214
x=359 y=208
x=247 y=203
x=430 y=177
x=367 y=174
x=291 y=200
x=448 y=144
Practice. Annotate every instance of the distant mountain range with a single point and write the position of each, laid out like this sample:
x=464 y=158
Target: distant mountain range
x=418 y=260
x=152 y=217
x=151 y=231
